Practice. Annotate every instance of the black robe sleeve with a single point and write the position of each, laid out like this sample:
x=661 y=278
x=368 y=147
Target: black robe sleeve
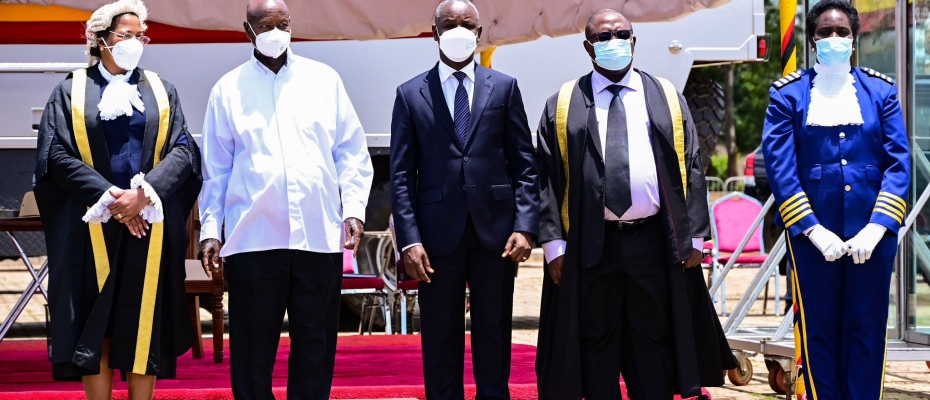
x=696 y=202
x=551 y=176
x=56 y=163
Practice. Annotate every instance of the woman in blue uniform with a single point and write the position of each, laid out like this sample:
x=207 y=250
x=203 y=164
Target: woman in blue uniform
x=116 y=177
x=837 y=156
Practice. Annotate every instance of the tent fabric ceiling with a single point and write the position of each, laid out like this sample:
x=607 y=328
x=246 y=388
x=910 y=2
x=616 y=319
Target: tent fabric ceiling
x=504 y=21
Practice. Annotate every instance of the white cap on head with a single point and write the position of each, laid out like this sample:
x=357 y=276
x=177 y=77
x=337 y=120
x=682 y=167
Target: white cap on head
x=101 y=19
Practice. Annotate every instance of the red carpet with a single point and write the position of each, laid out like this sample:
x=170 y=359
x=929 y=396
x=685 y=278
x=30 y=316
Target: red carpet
x=367 y=367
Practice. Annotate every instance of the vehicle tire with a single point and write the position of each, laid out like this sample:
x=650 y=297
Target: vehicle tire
x=706 y=102
x=741 y=375
x=379 y=207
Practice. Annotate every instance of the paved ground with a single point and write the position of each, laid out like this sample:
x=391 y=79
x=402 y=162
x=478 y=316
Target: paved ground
x=904 y=380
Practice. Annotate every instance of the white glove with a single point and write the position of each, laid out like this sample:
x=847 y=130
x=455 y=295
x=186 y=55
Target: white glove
x=861 y=246
x=827 y=242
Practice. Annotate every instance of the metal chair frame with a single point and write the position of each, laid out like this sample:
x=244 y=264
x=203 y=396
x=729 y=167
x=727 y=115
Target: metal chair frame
x=733 y=257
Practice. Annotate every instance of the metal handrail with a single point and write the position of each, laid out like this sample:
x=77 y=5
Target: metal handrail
x=40 y=68
x=756 y=286
x=742 y=245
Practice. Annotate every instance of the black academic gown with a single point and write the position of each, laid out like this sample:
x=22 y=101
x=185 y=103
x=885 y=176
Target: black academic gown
x=64 y=188
x=702 y=352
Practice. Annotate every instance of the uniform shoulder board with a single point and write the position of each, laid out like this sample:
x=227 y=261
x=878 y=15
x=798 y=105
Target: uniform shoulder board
x=873 y=73
x=792 y=77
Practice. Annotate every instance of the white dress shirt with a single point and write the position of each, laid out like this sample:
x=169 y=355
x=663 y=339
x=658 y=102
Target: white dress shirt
x=450 y=85
x=285 y=160
x=644 y=182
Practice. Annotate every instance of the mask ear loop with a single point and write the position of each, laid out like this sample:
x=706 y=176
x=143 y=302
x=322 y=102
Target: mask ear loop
x=107 y=45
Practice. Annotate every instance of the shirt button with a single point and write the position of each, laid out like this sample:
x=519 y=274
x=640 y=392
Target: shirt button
x=842 y=135
x=843 y=161
x=848 y=188
x=465 y=158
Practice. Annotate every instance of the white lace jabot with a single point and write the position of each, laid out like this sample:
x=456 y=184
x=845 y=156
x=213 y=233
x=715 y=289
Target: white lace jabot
x=119 y=97
x=833 y=98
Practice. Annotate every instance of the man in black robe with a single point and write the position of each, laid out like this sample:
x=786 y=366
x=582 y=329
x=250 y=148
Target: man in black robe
x=140 y=305
x=622 y=235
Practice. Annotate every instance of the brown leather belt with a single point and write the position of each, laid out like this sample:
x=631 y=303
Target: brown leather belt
x=631 y=224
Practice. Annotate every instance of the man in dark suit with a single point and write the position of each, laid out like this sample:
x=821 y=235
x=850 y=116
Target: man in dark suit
x=464 y=191
x=622 y=221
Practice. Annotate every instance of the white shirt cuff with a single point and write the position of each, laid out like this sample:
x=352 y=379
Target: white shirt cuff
x=154 y=212
x=410 y=246
x=99 y=213
x=553 y=249
x=209 y=229
x=697 y=243
x=353 y=210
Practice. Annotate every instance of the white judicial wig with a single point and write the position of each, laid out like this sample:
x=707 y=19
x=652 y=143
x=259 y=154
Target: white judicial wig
x=101 y=19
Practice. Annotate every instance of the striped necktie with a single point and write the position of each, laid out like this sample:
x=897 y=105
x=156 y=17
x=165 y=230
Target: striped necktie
x=462 y=111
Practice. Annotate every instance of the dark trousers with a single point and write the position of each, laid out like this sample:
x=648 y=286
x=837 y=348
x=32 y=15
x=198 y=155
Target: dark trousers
x=841 y=320
x=262 y=286
x=490 y=281
x=626 y=317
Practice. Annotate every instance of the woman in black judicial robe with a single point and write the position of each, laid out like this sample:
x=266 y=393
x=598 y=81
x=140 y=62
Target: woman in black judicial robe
x=116 y=288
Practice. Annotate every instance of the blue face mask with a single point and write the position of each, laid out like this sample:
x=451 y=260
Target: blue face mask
x=615 y=54
x=834 y=51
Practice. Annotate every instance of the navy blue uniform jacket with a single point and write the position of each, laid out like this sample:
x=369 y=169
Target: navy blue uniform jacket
x=437 y=181
x=841 y=177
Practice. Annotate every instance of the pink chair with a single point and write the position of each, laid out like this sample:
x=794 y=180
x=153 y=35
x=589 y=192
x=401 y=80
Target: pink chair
x=370 y=287
x=731 y=217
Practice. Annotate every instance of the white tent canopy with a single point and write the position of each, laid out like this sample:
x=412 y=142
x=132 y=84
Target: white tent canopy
x=504 y=21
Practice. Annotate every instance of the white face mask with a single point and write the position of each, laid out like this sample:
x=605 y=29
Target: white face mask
x=272 y=43
x=126 y=53
x=458 y=44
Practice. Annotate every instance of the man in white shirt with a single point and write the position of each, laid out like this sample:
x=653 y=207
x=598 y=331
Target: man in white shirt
x=623 y=218
x=287 y=175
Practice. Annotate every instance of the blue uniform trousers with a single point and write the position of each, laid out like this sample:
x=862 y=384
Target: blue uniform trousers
x=841 y=319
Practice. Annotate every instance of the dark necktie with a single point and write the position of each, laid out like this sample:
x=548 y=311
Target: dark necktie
x=462 y=112
x=617 y=162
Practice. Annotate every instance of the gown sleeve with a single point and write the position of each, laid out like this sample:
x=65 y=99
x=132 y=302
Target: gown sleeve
x=696 y=201
x=55 y=163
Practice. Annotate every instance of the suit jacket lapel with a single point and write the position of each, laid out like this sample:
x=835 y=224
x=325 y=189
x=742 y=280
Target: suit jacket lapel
x=96 y=137
x=480 y=97
x=151 y=121
x=434 y=96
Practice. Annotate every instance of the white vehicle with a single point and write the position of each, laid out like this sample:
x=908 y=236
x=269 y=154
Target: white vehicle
x=32 y=64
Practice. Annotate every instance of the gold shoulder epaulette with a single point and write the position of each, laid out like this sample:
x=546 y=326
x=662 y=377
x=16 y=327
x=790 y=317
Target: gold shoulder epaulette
x=873 y=73
x=792 y=77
